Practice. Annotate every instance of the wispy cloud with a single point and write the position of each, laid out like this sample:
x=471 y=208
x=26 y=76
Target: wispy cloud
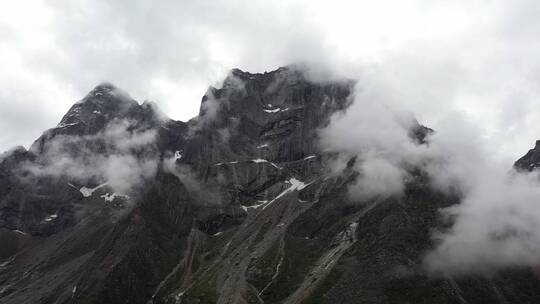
x=496 y=223
x=117 y=155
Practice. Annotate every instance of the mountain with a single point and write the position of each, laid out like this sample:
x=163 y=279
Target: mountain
x=529 y=161
x=120 y=204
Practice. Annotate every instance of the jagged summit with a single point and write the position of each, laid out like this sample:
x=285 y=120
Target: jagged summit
x=101 y=106
x=286 y=71
x=280 y=109
x=104 y=100
x=105 y=93
x=531 y=160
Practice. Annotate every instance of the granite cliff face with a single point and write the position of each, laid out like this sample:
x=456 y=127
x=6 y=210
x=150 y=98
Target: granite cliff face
x=234 y=206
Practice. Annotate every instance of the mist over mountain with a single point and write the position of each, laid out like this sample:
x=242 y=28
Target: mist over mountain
x=290 y=186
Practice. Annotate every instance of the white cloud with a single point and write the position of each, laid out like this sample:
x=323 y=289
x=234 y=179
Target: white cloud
x=496 y=224
x=118 y=156
x=54 y=52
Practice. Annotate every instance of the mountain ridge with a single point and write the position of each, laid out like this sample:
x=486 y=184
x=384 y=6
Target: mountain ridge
x=233 y=206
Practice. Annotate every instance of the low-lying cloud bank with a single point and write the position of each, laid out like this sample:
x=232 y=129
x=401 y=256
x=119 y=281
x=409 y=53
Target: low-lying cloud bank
x=119 y=155
x=496 y=225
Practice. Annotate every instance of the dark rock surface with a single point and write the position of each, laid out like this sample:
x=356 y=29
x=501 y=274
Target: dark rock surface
x=240 y=209
x=531 y=160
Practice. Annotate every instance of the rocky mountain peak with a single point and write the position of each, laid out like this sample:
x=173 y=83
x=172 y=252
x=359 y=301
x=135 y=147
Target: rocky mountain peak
x=281 y=110
x=529 y=161
x=104 y=102
x=102 y=105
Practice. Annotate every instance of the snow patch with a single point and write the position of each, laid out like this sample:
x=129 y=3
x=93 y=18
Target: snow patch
x=178 y=155
x=179 y=296
x=51 y=217
x=262 y=146
x=217 y=233
x=86 y=192
x=272 y=110
x=296 y=185
x=259 y=160
x=110 y=197
x=260 y=203
x=310 y=157
x=20 y=232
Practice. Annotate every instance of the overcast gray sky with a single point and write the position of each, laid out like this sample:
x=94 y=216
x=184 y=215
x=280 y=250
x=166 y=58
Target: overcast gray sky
x=480 y=59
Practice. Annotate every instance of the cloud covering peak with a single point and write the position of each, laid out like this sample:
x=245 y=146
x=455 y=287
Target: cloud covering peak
x=170 y=52
x=495 y=224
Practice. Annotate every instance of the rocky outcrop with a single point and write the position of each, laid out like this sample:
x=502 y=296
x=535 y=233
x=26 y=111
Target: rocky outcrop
x=531 y=160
